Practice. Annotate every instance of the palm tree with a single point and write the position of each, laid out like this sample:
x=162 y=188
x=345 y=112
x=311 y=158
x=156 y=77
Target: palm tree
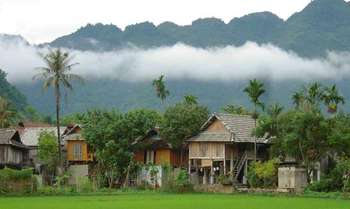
x=332 y=98
x=298 y=98
x=254 y=90
x=190 y=99
x=160 y=88
x=314 y=93
x=57 y=74
x=6 y=114
x=274 y=110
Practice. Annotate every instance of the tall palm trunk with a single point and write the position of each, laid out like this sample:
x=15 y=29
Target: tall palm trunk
x=58 y=98
x=255 y=117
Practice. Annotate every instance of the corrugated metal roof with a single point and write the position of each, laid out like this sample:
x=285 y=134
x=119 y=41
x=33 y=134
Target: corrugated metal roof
x=30 y=136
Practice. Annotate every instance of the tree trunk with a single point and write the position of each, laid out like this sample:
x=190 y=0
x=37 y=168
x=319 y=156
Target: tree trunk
x=58 y=97
x=255 y=117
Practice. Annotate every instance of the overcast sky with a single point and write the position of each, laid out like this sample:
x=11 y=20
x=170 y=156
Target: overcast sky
x=44 y=20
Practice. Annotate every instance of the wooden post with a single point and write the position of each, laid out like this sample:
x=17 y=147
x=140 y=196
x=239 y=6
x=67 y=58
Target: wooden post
x=211 y=173
x=231 y=161
x=224 y=159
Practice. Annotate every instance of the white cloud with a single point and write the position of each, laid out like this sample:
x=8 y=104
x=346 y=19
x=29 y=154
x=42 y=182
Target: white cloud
x=183 y=62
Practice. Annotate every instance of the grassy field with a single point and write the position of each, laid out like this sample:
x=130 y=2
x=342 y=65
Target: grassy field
x=170 y=201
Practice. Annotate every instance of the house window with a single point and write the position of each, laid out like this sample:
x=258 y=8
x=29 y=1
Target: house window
x=77 y=152
x=149 y=157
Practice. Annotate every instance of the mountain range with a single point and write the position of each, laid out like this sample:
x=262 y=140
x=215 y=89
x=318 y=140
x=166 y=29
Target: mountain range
x=322 y=26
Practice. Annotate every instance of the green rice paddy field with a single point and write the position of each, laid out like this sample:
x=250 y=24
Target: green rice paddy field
x=170 y=201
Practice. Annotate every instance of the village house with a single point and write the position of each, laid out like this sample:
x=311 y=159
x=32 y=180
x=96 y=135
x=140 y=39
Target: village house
x=152 y=150
x=224 y=147
x=13 y=153
x=77 y=150
x=30 y=133
x=79 y=156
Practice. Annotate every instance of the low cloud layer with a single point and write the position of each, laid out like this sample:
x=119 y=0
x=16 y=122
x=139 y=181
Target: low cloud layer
x=249 y=61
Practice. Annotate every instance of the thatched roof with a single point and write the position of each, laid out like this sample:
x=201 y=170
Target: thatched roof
x=239 y=129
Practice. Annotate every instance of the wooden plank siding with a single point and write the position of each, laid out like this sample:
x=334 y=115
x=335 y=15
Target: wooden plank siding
x=86 y=156
x=216 y=126
x=11 y=155
x=206 y=150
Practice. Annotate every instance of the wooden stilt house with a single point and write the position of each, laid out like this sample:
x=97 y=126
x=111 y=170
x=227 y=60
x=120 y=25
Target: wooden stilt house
x=225 y=146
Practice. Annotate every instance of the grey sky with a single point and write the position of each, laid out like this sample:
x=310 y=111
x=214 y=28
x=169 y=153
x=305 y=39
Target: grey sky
x=44 y=20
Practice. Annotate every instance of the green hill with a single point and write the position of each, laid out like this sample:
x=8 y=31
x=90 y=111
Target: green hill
x=323 y=25
x=11 y=93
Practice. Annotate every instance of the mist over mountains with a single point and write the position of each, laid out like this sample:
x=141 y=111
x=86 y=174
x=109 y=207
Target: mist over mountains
x=210 y=59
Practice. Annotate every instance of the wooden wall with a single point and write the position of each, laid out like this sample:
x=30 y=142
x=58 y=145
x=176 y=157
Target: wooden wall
x=163 y=156
x=86 y=156
x=206 y=150
x=216 y=126
x=11 y=155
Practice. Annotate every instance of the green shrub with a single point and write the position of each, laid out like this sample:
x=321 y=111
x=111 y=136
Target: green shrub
x=17 y=181
x=84 y=184
x=177 y=182
x=337 y=180
x=263 y=174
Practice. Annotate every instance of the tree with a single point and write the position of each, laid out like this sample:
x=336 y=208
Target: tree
x=181 y=121
x=7 y=115
x=254 y=90
x=298 y=98
x=314 y=94
x=160 y=88
x=190 y=99
x=47 y=150
x=57 y=75
x=236 y=110
x=332 y=98
x=112 y=135
x=303 y=135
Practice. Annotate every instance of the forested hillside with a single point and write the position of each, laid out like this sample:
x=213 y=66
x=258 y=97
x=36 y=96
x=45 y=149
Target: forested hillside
x=323 y=25
x=11 y=93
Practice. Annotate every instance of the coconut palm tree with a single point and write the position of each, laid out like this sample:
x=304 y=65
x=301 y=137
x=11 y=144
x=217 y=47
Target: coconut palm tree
x=6 y=114
x=314 y=94
x=332 y=98
x=274 y=110
x=160 y=88
x=57 y=74
x=298 y=98
x=254 y=90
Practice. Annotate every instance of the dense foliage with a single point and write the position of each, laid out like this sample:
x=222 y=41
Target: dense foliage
x=112 y=135
x=11 y=93
x=182 y=121
x=48 y=151
x=17 y=181
x=263 y=174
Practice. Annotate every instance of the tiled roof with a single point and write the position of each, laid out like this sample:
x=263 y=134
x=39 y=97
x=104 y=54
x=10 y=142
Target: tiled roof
x=240 y=127
x=30 y=136
x=219 y=136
